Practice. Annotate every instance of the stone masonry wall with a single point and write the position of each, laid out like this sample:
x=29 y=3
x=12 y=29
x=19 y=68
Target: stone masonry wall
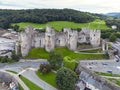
x=96 y=80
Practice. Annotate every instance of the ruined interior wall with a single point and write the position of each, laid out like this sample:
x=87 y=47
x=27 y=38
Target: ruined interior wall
x=73 y=40
x=95 y=37
x=60 y=41
x=25 y=44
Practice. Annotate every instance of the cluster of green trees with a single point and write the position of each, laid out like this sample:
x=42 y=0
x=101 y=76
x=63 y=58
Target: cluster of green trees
x=6 y=59
x=112 y=35
x=66 y=78
x=110 y=22
x=42 y=16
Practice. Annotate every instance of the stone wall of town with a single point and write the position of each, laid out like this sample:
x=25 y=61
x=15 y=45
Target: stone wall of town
x=95 y=80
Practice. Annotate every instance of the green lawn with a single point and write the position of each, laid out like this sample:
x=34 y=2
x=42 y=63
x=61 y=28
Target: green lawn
x=66 y=52
x=20 y=87
x=116 y=81
x=30 y=84
x=58 y=25
x=107 y=74
x=12 y=71
x=41 y=53
x=37 y=53
x=98 y=50
x=49 y=77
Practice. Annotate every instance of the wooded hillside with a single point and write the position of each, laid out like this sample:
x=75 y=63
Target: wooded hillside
x=43 y=15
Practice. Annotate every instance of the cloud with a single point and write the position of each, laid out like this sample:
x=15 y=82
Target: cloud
x=96 y=6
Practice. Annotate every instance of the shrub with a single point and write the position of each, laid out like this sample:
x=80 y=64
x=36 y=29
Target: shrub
x=45 y=68
x=69 y=63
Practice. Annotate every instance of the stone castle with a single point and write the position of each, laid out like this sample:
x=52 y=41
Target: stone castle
x=50 y=39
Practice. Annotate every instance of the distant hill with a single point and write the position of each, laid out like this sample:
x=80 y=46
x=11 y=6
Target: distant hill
x=114 y=14
x=43 y=16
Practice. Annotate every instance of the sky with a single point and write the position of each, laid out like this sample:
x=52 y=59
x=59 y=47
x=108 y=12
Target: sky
x=93 y=6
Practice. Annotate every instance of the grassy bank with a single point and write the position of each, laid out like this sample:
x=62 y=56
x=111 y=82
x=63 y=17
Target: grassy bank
x=98 y=50
x=49 y=77
x=20 y=87
x=107 y=74
x=116 y=81
x=12 y=71
x=37 y=53
x=41 y=53
x=30 y=84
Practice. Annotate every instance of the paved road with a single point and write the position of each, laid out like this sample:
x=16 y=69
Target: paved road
x=30 y=74
x=102 y=65
x=21 y=67
x=18 y=79
x=23 y=64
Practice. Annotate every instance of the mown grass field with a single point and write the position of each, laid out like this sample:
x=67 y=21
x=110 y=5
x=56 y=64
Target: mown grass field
x=58 y=25
x=49 y=77
x=41 y=53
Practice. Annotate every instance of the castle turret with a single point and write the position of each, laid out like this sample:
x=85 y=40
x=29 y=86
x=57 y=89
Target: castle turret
x=72 y=37
x=26 y=40
x=95 y=37
x=49 y=39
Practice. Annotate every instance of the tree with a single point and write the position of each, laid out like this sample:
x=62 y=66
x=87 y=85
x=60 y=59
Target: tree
x=112 y=38
x=66 y=79
x=14 y=56
x=16 y=28
x=55 y=59
x=45 y=68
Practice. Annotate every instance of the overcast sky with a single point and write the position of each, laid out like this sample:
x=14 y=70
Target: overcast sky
x=94 y=6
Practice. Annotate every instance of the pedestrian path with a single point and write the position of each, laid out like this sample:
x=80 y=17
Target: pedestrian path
x=18 y=79
x=31 y=75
